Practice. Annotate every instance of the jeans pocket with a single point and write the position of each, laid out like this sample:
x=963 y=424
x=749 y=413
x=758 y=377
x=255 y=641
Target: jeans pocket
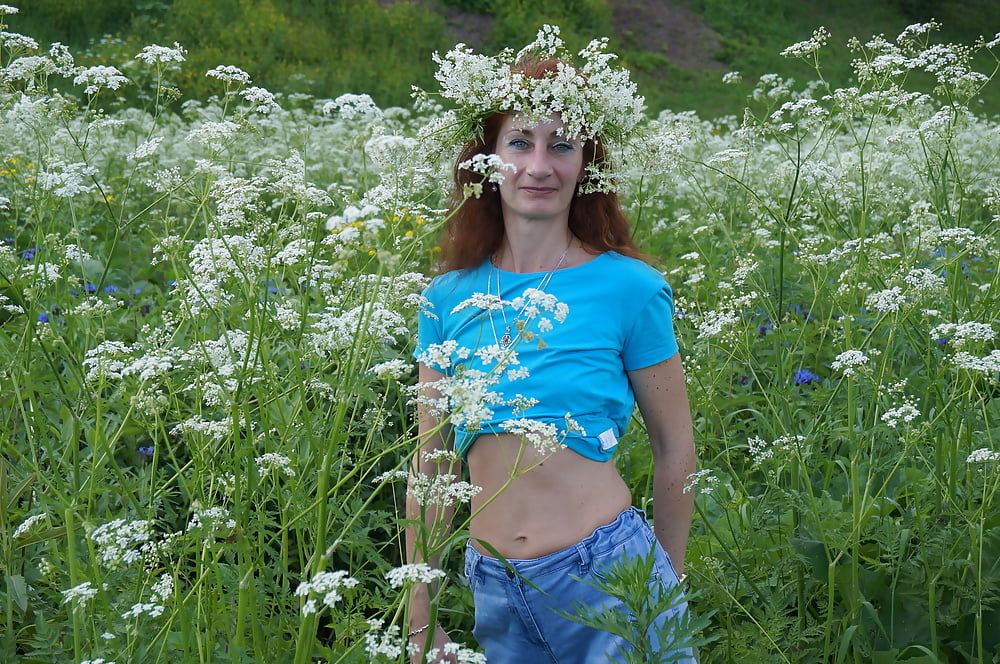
x=470 y=572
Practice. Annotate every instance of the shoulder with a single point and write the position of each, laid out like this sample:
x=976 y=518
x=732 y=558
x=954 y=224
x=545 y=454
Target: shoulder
x=456 y=283
x=634 y=274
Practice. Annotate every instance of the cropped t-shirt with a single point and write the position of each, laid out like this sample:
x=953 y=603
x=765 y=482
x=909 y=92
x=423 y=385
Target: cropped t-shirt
x=620 y=318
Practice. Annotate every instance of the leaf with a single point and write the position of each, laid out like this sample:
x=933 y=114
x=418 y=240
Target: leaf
x=18 y=589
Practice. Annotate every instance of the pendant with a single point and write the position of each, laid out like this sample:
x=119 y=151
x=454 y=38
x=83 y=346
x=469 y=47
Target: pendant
x=505 y=340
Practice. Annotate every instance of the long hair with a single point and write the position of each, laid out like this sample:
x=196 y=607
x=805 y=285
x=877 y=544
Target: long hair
x=475 y=229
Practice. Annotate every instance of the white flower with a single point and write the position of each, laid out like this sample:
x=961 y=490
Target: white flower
x=413 y=573
x=140 y=608
x=79 y=595
x=983 y=455
x=272 y=461
x=731 y=77
x=543 y=436
x=704 y=481
x=905 y=413
x=849 y=361
x=6 y=10
x=762 y=451
x=28 y=524
x=261 y=99
x=490 y=165
x=98 y=77
x=961 y=333
x=354 y=107
x=389 y=644
x=229 y=74
x=394 y=369
x=326 y=585
x=120 y=542
x=145 y=149
x=809 y=46
x=989 y=364
x=886 y=301
x=154 y=54
x=212 y=519
x=923 y=280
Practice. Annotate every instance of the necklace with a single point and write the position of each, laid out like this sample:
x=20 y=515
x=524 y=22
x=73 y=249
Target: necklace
x=506 y=340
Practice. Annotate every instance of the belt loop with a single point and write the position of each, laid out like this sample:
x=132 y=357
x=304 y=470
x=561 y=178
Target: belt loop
x=585 y=557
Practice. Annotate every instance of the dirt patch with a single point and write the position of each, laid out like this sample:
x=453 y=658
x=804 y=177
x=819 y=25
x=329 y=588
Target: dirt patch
x=667 y=27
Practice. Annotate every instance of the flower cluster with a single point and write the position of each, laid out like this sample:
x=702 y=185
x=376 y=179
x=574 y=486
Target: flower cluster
x=327 y=586
x=120 y=542
x=850 y=361
x=413 y=573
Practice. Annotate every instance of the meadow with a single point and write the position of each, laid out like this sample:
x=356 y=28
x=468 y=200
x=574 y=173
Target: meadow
x=207 y=313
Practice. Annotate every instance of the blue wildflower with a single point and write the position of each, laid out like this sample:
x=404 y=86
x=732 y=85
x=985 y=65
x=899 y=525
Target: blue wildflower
x=146 y=451
x=941 y=341
x=28 y=253
x=765 y=327
x=90 y=288
x=110 y=288
x=137 y=291
x=9 y=240
x=74 y=292
x=43 y=317
x=805 y=376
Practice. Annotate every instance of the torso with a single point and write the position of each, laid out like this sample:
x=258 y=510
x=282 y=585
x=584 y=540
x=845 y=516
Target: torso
x=557 y=503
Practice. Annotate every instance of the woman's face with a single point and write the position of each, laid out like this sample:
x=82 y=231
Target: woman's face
x=548 y=169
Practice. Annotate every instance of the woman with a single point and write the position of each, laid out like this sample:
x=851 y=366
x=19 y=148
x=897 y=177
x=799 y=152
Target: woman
x=551 y=514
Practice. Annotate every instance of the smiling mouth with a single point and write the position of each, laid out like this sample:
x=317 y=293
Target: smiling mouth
x=538 y=190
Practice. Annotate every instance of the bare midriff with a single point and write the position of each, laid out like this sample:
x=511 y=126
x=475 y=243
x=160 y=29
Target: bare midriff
x=552 y=503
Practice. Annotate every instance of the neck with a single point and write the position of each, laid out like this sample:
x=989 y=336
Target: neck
x=532 y=246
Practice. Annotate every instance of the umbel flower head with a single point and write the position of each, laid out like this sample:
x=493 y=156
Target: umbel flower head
x=594 y=99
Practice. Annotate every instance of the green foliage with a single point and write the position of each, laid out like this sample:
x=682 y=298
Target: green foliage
x=517 y=21
x=628 y=581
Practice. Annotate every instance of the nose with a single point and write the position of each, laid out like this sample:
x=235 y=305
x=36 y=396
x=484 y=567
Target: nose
x=538 y=164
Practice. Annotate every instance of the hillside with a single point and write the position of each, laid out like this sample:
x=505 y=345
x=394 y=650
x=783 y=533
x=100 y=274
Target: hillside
x=678 y=49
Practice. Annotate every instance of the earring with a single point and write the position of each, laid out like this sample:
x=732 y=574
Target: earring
x=494 y=187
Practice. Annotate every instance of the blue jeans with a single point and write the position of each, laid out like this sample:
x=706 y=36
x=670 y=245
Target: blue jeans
x=516 y=623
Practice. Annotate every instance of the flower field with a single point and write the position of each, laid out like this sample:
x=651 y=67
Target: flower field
x=207 y=312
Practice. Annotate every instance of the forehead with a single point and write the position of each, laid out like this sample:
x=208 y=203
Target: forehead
x=553 y=126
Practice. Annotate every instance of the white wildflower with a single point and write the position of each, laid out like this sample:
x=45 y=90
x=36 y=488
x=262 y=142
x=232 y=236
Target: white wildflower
x=120 y=542
x=98 y=77
x=28 y=524
x=145 y=149
x=886 y=301
x=702 y=481
x=229 y=74
x=327 y=586
x=272 y=461
x=983 y=455
x=79 y=595
x=212 y=519
x=850 y=361
x=154 y=54
x=905 y=413
x=543 y=436
x=413 y=573
x=394 y=369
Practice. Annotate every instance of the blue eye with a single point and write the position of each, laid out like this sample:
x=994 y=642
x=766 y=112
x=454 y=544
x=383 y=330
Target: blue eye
x=517 y=143
x=564 y=147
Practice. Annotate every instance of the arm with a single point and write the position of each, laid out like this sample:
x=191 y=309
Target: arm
x=432 y=435
x=662 y=399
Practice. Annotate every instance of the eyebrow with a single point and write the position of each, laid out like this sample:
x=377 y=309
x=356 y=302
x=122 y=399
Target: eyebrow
x=528 y=132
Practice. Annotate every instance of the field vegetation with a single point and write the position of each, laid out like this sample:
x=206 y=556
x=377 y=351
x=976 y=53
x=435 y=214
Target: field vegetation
x=207 y=304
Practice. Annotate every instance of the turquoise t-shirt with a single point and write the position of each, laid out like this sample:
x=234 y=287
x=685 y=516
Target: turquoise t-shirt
x=620 y=318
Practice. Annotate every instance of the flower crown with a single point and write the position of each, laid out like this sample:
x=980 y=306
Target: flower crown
x=594 y=99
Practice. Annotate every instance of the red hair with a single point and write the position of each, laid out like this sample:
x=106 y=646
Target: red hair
x=475 y=228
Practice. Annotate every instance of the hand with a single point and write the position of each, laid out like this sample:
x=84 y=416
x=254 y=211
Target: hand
x=440 y=639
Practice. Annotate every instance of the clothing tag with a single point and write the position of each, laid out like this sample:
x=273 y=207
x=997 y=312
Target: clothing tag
x=607 y=439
